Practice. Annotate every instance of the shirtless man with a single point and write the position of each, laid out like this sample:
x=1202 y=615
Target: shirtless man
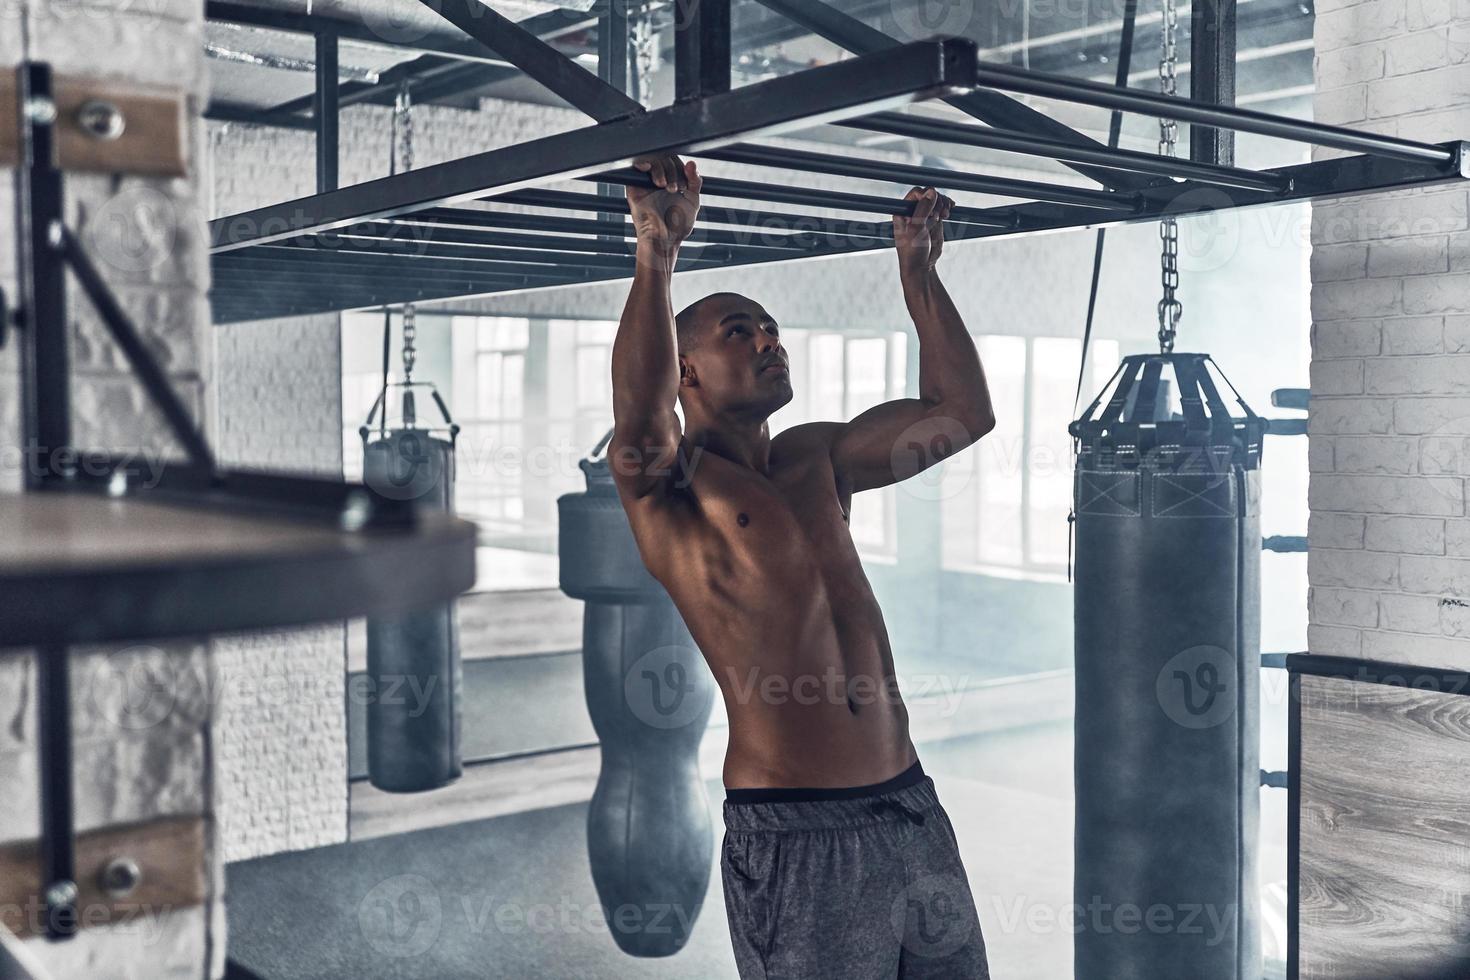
x=838 y=860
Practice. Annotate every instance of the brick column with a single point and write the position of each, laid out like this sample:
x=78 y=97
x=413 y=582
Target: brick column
x=142 y=713
x=1390 y=418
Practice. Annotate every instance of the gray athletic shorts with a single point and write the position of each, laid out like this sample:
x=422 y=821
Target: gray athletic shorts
x=854 y=888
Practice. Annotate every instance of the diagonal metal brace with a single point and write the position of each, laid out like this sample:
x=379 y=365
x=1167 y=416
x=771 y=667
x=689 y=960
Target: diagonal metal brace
x=126 y=335
x=992 y=108
x=563 y=76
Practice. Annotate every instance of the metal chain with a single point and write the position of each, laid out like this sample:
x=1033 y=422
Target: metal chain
x=402 y=156
x=1170 y=309
x=645 y=36
x=402 y=149
x=410 y=333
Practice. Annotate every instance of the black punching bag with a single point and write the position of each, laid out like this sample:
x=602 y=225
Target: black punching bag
x=649 y=692
x=413 y=661
x=1167 y=592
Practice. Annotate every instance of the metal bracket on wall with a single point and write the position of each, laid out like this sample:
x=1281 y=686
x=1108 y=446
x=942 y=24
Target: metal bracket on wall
x=53 y=465
x=102 y=127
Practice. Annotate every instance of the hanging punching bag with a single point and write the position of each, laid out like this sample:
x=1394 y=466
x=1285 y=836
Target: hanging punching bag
x=1168 y=545
x=649 y=692
x=413 y=661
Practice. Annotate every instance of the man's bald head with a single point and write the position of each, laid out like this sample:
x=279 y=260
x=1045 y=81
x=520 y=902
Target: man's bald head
x=686 y=324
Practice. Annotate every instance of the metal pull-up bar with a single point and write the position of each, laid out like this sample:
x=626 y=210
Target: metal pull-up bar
x=403 y=239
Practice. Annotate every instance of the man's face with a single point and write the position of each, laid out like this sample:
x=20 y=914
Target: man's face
x=737 y=363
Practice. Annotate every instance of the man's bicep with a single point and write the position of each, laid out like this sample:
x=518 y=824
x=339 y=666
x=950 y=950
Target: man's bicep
x=893 y=441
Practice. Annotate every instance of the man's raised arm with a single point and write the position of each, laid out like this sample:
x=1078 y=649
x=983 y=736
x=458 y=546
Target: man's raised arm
x=895 y=440
x=645 y=356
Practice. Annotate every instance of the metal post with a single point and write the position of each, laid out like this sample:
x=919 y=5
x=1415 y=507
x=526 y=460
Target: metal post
x=612 y=66
x=1212 y=76
x=701 y=48
x=941 y=131
x=325 y=109
x=45 y=364
x=1048 y=85
x=58 y=858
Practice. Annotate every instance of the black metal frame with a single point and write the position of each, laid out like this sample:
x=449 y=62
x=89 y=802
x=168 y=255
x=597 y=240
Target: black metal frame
x=450 y=68
x=398 y=240
x=52 y=463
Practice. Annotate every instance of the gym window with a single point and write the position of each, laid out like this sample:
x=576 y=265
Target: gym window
x=533 y=396
x=838 y=376
x=1005 y=503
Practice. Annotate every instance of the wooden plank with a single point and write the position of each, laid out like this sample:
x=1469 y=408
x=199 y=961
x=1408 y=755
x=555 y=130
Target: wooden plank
x=84 y=568
x=152 y=142
x=170 y=852
x=1384 y=865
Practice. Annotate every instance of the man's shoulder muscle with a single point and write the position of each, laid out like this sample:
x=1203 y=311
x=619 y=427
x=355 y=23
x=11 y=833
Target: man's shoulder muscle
x=805 y=440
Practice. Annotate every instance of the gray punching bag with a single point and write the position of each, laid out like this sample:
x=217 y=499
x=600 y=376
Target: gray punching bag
x=1167 y=592
x=413 y=661
x=649 y=692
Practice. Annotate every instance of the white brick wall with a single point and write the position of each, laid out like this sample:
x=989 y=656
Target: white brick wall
x=147 y=237
x=281 y=729
x=1389 y=562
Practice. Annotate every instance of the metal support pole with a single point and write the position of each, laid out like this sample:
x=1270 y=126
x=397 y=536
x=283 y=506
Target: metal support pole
x=1084 y=92
x=325 y=109
x=847 y=165
x=749 y=190
x=942 y=131
x=612 y=65
x=701 y=48
x=58 y=858
x=45 y=363
x=1212 y=76
x=612 y=46
x=754 y=218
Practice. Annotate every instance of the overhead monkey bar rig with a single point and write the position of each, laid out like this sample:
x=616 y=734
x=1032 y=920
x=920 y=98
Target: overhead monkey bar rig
x=416 y=236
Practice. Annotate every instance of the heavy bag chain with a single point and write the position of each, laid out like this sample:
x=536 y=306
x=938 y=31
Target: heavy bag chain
x=1170 y=309
x=401 y=153
x=645 y=36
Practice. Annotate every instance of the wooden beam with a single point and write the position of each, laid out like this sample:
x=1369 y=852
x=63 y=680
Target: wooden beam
x=170 y=853
x=152 y=141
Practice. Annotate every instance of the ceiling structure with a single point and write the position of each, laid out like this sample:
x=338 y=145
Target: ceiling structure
x=836 y=72
x=1274 y=45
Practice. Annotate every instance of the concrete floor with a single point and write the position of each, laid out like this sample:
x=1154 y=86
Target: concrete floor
x=1009 y=795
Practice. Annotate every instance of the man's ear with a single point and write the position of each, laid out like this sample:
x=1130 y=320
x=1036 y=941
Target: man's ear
x=687 y=377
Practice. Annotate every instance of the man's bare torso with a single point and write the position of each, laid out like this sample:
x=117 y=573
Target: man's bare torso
x=765 y=573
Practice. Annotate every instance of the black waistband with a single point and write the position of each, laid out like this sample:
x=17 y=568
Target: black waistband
x=783 y=794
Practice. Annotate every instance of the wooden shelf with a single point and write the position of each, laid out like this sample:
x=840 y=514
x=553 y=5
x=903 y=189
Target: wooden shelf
x=82 y=568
